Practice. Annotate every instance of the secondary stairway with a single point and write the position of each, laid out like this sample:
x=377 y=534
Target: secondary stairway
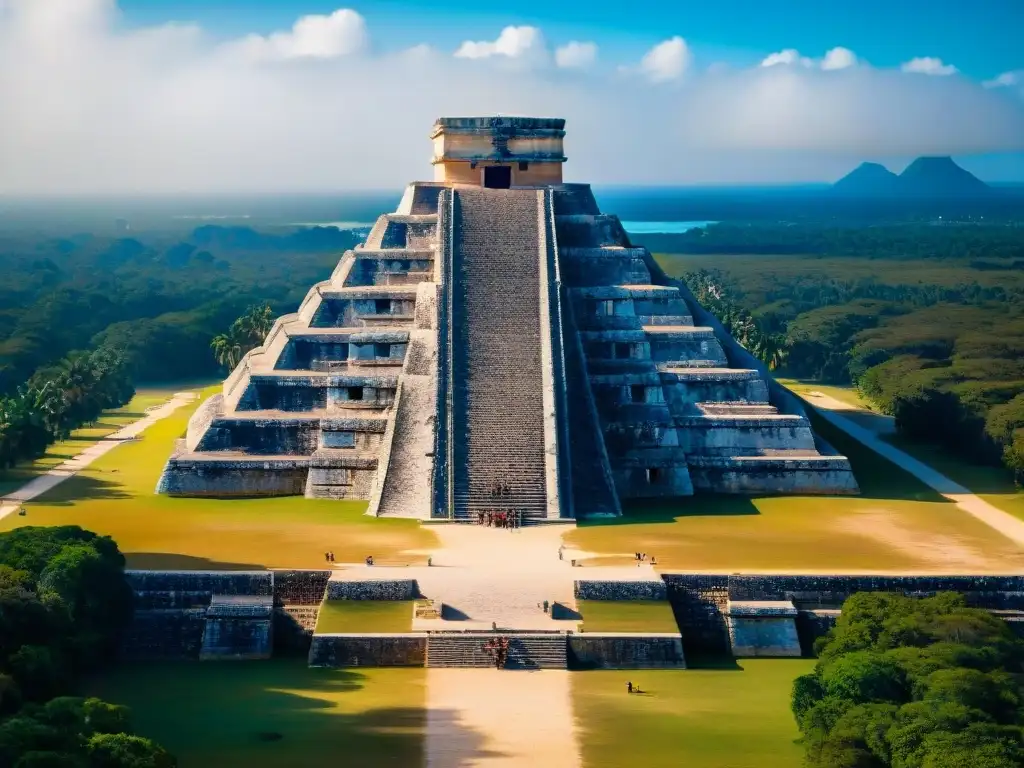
x=525 y=651
x=497 y=403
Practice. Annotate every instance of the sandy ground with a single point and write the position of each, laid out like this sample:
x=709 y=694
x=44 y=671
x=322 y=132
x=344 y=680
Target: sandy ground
x=1008 y=525
x=488 y=718
x=54 y=477
x=486 y=576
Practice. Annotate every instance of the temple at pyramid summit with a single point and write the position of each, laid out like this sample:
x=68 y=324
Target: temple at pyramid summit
x=498 y=343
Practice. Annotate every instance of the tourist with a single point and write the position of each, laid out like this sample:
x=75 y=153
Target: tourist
x=327 y=557
x=332 y=556
x=629 y=686
x=653 y=561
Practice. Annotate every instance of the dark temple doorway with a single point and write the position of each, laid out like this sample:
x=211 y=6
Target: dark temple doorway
x=498 y=176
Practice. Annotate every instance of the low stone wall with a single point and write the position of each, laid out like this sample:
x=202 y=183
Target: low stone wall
x=300 y=587
x=762 y=628
x=242 y=479
x=392 y=589
x=293 y=629
x=164 y=634
x=620 y=590
x=193 y=589
x=700 y=600
x=626 y=651
x=384 y=650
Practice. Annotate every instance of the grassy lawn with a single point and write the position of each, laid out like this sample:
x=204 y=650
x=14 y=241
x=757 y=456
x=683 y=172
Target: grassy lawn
x=109 y=422
x=627 y=616
x=993 y=484
x=273 y=714
x=115 y=496
x=701 y=718
x=364 y=616
x=896 y=524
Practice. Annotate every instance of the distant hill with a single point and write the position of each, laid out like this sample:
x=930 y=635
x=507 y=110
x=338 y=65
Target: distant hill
x=926 y=177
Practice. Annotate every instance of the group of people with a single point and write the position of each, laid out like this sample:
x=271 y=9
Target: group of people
x=369 y=559
x=641 y=557
x=509 y=518
x=329 y=557
x=498 y=648
x=500 y=490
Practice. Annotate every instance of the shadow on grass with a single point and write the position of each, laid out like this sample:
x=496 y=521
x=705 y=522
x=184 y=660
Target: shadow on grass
x=717 y=661
x=169 y=561
x=669 y=510
x=878 y=477
x=82 y=487
x=276 y=714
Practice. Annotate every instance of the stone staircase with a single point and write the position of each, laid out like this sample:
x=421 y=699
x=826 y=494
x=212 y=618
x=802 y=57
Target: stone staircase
x=526 y=651
x=497 y=403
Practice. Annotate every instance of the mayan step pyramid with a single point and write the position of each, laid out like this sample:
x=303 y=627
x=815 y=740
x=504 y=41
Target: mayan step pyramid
x=498 y=343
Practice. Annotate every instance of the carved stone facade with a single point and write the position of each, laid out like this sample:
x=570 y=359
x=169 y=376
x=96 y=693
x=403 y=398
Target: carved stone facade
x=495 y=349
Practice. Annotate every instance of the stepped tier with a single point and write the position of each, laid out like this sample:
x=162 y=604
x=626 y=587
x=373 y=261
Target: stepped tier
x=500 y=349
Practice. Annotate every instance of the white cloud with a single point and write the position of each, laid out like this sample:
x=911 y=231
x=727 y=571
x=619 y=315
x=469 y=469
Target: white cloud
x=839 y=58
x=666 y=61
x=786 y=57
x=928 y=65
x=95 y=107
x=575 y=55
x=1006 y=80
x=316 y=37
x=836 y=58
x=512 y=43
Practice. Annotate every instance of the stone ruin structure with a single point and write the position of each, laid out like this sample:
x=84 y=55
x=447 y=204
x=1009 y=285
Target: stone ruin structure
x=499 y=343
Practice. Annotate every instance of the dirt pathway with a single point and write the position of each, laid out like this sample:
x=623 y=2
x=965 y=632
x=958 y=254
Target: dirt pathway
x=1004 y=522
x=488 y=718
x=37 y=486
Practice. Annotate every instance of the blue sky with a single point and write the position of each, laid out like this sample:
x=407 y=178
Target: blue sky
x=319 y=95
x=981 y=38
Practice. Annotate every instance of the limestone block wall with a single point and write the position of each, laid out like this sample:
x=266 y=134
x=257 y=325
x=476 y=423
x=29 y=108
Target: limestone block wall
x=205 y=583
x=272 y=437
x=238 y=627
x=710 y=436
x=164 y=634
x=626 y=651
x=774 y=475
x=300 y=587
x=590 y=589
x=700 y=601
x=237 y=479
x=583 y=267
x=762 y=628
x=384 y=650
x=201 y=420
x=390 y=589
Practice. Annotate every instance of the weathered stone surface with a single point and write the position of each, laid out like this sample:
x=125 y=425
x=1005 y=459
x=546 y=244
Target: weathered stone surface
x=469 y=304
x=404 y=650
x=404 y=589
x=626 y=651
x=590 y=589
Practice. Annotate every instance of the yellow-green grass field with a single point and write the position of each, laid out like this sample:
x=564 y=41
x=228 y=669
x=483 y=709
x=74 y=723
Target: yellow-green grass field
x=897 y=524
x=993 y=484
x=731 y=717
x=80 y=439
x=273 y=714
x=364 y=616
x=115 y=496
x=627 y=616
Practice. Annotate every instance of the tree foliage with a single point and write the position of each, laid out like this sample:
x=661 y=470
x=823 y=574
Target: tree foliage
x=245 y=333
x=913 y=683
x=64 y=602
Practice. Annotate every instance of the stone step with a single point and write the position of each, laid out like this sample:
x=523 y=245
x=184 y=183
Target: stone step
x=541 y=651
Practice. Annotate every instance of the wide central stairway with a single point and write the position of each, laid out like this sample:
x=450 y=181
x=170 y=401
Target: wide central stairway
x=497 y=375
x=525 y=650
